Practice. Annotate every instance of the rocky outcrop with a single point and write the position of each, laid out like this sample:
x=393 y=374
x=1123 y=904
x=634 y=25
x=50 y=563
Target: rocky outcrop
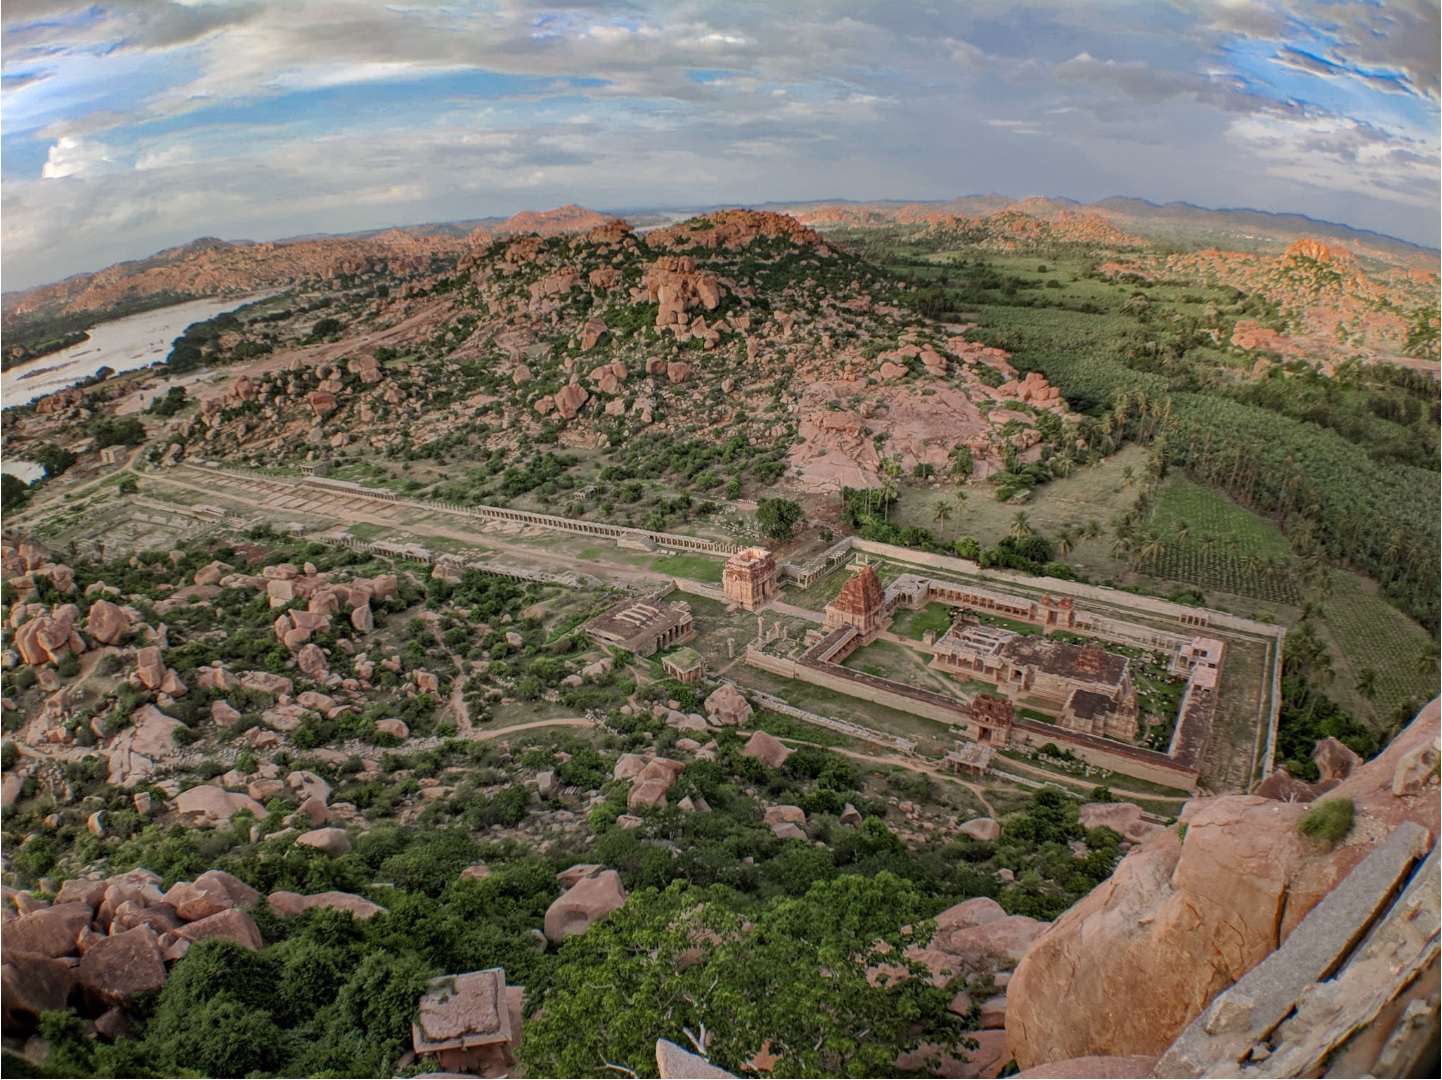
x=287 y=904
x=1194 y=908
x=767 y=749
x=332 y=842
x=1125 y=819
x=728 y=705
x=117 y=968
x=674 y=284
x=587 y=902
x=107 y=623
x=231 y=924
x=216 y=806
x=984 y=829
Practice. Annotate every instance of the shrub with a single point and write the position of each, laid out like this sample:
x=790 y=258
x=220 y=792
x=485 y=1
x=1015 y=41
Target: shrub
x=1329 y=821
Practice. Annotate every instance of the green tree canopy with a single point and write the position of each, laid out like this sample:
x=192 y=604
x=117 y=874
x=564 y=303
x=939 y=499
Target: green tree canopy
x=793 y=975
x=777 y=518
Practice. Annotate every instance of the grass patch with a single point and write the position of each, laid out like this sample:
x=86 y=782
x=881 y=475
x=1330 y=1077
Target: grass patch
x=914 y=624
x=365 y=530
x=788 y=727
x=695 y=567
x=1329 y=821
x=1033 y=714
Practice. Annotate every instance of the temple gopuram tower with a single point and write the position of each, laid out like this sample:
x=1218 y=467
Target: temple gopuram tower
x=862 y=604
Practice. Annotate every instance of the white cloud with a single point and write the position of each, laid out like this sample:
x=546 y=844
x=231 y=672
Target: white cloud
x=74 y=156
x=801 y=100
x=1338 y=154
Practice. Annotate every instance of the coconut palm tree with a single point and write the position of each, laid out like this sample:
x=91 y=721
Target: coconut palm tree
x=1366 y=683
x=1063 y=542
x=1152 y=547
x=941 y=512
x=1208 y=542
x=1427 y=662
x=1020 y=526
x=1129 y=476
x=890 y=482
x=1091 y=530
x=1182 y=531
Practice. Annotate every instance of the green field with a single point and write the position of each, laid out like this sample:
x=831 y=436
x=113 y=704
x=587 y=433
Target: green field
x=695 y=567
x=914 y=624
x=1366 y=631
x=1214 y=544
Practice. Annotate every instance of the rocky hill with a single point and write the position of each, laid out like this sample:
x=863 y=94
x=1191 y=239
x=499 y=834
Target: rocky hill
x=741 y=323
x=1335 y=301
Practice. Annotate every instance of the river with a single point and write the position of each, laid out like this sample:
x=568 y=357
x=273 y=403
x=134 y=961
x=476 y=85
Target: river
x=135 y=341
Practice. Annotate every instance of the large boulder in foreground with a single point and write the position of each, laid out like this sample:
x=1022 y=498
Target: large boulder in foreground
x=589 y=901
x=232 y=924
x=31 y=984
x=51 y=931
x=1185 y=916
x=118 y=967
x=1133 y=1067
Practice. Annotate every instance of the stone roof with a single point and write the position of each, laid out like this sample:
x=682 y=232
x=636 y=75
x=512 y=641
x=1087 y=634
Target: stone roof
x=632 y=617
x=463 y=1011
x=683 y=659
x=1089 y=705
x=1089 y=662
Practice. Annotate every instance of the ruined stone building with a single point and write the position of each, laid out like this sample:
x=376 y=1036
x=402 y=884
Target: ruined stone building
x=642 y=628
x=685 y=666
x=470 y=1024
x=862 y=604
x=750 y=578
x=991 y=720
x=1088 y=688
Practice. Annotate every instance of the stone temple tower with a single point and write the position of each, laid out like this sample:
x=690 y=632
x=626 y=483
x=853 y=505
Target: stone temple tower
x=862 y=604
x=750 y=578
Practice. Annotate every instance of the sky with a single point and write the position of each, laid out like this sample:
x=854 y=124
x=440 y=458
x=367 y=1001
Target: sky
x=127 y=127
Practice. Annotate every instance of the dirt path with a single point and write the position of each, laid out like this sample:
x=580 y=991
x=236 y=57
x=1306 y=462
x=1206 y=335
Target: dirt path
x=1046 y=774
x=456 y=700
x=531 y=725
x=345 y=514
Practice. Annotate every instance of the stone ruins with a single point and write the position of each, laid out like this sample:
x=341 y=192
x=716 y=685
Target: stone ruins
x=470 y=1024
x=750 y=578
x=642 y=628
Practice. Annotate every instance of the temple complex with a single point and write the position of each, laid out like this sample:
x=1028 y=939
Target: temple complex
x=642 y=628
x=1088 y=688
x=862 y=605
x=750 y=578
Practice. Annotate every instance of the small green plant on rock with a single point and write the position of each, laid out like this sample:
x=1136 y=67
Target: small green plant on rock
x=1329 y=821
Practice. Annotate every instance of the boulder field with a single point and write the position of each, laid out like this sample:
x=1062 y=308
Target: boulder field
x=1195 y=907
x=103 y=941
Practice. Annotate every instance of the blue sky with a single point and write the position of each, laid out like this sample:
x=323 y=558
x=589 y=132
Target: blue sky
x=131 y=126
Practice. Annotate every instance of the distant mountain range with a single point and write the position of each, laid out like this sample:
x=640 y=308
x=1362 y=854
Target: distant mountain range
x=214 y=267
